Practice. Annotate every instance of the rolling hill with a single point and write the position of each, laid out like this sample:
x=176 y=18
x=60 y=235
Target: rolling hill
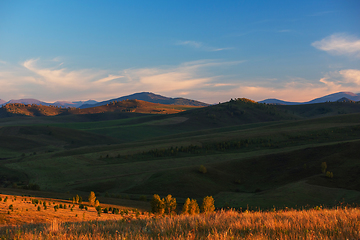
x=134 y=106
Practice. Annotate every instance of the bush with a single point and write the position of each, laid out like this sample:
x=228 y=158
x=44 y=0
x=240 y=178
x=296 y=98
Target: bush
x=208 y=204
x=202 y=169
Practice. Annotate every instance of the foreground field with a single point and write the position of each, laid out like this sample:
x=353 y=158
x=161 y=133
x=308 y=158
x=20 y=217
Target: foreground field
x=306 y=224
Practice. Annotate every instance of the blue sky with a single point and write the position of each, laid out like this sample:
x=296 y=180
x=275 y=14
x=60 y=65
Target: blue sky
x=206 y=50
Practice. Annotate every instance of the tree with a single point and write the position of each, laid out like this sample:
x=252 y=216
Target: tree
x=92 y=199
x=323 y=167
x=193 y=207
x=208 y=204
x=157 y=205
x=186 y=207
x=202 y=169
x=169 y=204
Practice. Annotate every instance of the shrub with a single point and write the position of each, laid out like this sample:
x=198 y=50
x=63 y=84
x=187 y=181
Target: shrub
x=208 y=204
x=81 y=206
x=202 y=169
x=157 y=205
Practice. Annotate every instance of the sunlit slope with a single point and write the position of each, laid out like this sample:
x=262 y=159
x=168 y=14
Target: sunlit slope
x=138 y=106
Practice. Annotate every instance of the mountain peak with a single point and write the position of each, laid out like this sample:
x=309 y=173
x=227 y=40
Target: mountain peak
x=151 y=97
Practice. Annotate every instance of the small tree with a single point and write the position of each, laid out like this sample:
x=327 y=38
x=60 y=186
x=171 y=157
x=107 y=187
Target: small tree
x=208 y=204
x=186 y=207
x=329 y=174
x=193 y=207
x=170 y=204
x=77 y=199
x=323 y=167
x=157 y=205
x=97 y=203
x=92 y=199
x=98 y=209
x=202 y=169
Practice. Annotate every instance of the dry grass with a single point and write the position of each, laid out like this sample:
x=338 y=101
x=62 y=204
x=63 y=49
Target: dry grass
x=25 y=212
x=341 y=223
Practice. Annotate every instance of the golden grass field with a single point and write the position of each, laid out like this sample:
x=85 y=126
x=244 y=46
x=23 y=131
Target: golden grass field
x=26 y=222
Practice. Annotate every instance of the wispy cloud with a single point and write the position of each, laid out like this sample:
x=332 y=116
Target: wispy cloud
x=318 y=14
x=197 y=80
x=201 y=46
x=339 y=44
x=35 y=79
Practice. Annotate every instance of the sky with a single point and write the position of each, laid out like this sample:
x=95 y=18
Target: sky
x=209 y=51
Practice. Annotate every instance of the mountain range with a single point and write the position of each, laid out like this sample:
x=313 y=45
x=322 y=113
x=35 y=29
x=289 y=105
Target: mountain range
x=156 y=98
x=343 y=96
x=57 y=103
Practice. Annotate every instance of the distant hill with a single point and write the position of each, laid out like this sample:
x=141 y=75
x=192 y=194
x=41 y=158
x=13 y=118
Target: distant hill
x=65 y=104
x=126 y=106
x=153 y=98
x=72 y=104
x=336 y=96
x=344 y=99
x=28 y=101
x=328 y=98
x=278 y=102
